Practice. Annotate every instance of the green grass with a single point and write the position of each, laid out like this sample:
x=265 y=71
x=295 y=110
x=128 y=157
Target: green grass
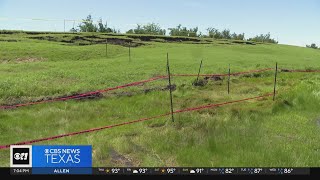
x=253 y=133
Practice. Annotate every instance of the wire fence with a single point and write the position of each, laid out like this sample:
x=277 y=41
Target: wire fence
x=134 y=121
x=147 y=118
x=124 y=86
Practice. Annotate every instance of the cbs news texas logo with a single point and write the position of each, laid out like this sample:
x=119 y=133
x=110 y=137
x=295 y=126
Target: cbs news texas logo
x=50 y=156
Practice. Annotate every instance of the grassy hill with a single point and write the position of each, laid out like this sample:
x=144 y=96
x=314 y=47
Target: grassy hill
x=285 y=132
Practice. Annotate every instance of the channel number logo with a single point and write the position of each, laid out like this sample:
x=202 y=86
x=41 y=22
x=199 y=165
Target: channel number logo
x=20 y=156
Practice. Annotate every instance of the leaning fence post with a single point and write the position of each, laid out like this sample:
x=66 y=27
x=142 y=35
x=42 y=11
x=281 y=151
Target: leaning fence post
x=229 y=80
x=275 y=82
x=170 y=87
x=73 y=30
x=129 y=51
x=107 y=48
x=199 y=72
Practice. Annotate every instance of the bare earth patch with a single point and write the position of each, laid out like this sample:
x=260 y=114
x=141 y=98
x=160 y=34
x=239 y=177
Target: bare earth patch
x=119 y=159
x=29 y=59
x=318 y=122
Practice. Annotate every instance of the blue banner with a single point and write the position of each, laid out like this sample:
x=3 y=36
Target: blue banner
x=61 y=171
x=61 y=156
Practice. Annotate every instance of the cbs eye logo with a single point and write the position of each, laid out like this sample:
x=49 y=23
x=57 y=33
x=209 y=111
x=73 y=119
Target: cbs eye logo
x=20 y=156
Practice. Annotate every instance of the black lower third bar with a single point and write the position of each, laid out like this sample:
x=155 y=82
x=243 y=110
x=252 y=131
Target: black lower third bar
x=199 y=171
x=173 y=171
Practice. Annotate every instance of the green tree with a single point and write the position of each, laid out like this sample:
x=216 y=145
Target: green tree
x=101 y=26
x=87 y=25
x=266 y=38
x=214 y=33
x=184 y=31
x=226 y=34
x=193 y=32
x=237 y=36
x=151 y=28
x=73 y=30
x=313 y=46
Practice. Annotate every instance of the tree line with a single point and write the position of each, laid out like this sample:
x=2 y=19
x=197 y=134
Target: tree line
x=313 y=46
x=155 y=29
x=87 y=25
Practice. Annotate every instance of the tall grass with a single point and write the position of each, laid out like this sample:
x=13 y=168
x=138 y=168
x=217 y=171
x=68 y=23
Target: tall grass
x=253 y=133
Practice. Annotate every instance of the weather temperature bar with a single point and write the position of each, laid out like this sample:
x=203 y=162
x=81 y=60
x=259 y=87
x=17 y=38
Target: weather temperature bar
x=198 y=171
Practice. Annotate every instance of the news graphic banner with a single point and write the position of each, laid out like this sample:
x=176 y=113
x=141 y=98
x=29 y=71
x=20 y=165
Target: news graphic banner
x=77 y=160
x=51 y=159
